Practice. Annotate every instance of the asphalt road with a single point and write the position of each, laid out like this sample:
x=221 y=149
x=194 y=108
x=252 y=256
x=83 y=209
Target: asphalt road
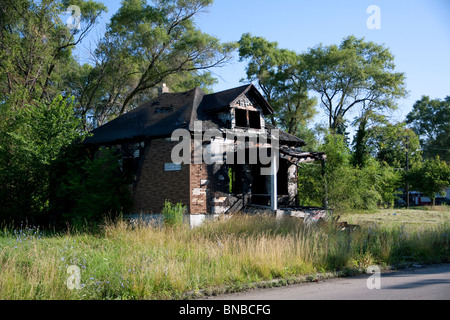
x=418 y=283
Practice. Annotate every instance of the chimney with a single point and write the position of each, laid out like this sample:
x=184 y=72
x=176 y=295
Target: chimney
x=163 y=89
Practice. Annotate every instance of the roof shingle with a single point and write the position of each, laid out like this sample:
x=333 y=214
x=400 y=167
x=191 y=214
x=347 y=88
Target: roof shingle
x=170 y=111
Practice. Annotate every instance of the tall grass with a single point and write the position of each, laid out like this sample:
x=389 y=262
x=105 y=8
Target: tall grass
x=125 y=261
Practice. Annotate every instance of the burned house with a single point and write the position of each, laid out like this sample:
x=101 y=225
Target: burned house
x=165 y=142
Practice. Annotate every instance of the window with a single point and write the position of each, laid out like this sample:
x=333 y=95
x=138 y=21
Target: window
x=130 y=168
x=254 y=119
x=241 y=118
x=130 y=161
x=247 y=119
x=235 y=179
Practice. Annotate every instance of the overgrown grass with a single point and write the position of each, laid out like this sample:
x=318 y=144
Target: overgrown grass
x=125 y=261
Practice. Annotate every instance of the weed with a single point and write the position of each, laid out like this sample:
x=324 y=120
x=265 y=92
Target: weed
x=124 y=261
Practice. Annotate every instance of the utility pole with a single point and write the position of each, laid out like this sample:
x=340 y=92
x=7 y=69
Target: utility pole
x=407 y=170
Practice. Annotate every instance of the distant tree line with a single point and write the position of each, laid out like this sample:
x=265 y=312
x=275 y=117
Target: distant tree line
x=356 y=77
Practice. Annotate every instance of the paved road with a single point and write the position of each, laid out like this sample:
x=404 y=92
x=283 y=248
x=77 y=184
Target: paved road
x=418 y=283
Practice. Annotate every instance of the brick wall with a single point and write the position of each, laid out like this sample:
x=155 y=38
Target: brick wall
x=194 y=185
x=199 y=191
x=154 y=185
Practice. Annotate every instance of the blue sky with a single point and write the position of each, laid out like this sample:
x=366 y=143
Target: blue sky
x=417 y=32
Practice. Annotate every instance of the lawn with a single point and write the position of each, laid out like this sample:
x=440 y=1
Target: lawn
x=123 y=261
x=414 y=218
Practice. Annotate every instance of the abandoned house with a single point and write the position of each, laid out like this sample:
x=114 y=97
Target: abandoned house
x=144 y=138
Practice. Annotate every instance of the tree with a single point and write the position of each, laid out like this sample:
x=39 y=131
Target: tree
x=275 y=71
x=348 y=187
x=356 y=73
x=361 y=152
x=145 y=45
x=31 y=139
x=430 y=177
x=366 y=143
x=430 y=119
x=36 y=47
x=86 y=188
x=391 y=143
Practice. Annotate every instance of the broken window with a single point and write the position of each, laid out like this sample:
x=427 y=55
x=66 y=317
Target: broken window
x=282 y=177
x=247 y=119
x=130 y=160
x=241 y=118
x=130 y=168
x=254 y=119
x=235 y=179
x=231 y=179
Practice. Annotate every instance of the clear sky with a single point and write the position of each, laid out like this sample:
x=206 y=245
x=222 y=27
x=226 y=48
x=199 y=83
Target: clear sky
x=417 y=32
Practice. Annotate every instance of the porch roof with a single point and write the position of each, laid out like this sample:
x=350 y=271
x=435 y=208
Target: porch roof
x=297 y=157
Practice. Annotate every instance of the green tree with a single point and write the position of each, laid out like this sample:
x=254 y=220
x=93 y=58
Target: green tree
x=383 y=180
x=349 y=187
x=277 y=73
x=430 y=177
x=145 y=45
x=357 y=73
x=368 y=122
x=361 y=152
x=36 y=47
x=391 y=143
x=430 y=119
x=87 y=188
x=31 y=139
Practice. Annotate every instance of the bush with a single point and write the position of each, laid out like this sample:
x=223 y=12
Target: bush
x=173 y=214
x=430 y=177
x=31 y=139
x=88 y=189
x=348 y=187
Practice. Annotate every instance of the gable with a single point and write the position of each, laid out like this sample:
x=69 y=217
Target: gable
x=247 y=112
x=220 y=109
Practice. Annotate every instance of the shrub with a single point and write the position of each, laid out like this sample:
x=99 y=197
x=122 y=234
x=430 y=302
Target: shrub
x=31 y=139
x=173 y=214
x=348 y=187
x=430 y=177
x=88 y=189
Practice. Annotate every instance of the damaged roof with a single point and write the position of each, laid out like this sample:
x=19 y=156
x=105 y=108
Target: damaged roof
x=297 y=156
x=170 y=111
x=159 y=117
x=223 y=100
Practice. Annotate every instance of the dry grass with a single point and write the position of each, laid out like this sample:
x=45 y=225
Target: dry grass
x=126 y=261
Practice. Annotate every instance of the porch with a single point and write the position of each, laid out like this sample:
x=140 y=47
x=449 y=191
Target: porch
x=251 y=190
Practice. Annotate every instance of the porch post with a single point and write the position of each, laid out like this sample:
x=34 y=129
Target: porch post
x=273 y=183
